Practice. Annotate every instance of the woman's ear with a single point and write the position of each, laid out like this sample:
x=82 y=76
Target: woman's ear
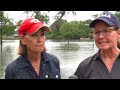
x=22 y=39
x=118 y=32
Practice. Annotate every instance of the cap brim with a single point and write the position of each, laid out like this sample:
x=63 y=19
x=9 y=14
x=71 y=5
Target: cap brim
x=36 y=27
x=92 y=24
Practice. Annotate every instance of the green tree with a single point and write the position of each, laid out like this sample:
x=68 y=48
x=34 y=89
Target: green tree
x=117 y=13
x=70 y=30
x=58 y=18
x=38 y=15
x=19 y=22
x=45 y=18
x=7 y=26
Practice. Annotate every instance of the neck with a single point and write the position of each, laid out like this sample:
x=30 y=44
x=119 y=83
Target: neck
x=110 y=54
x=109 y=57
x=33 y=57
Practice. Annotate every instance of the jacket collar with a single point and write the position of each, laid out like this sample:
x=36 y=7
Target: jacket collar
x=44 y=57
x=97 y=55
x=24 y=62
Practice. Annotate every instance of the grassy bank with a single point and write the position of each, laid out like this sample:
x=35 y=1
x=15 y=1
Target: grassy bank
x=9 y=38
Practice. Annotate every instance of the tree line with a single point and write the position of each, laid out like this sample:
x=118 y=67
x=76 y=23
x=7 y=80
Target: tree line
x=61 y=29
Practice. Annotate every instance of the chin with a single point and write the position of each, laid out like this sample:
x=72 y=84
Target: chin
x=103 y=48
x=38 y=51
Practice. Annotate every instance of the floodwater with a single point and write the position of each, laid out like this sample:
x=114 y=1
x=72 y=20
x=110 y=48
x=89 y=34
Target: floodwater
x=69 y=55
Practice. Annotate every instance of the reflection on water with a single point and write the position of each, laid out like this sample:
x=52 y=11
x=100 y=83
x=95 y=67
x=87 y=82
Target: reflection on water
x=9 y=53
x=69 y=55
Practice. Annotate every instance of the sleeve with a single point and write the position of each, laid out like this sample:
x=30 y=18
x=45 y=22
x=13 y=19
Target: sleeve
x=54 y=66
x=79 y=72
x=84 y=68
x=58 y=67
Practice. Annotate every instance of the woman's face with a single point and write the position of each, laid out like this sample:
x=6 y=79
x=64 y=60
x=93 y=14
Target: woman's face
x=34 y=42
x=106 y=36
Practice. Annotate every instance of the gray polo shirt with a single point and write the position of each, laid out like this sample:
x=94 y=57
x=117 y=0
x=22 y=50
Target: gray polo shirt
x=94 y=68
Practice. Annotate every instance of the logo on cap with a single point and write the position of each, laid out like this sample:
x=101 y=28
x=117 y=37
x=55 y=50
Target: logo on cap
x=34 y=21
x=105 y=15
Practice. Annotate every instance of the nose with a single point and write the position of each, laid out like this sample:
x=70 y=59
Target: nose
x=39 y=37
x=101 y=35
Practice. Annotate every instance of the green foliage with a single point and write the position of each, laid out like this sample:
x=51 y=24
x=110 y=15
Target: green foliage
x=69 y=30
x=7 y=27
x=37 y=14
x=19 y=22
x=61 y=29
x=44 y=18
x=118 y=14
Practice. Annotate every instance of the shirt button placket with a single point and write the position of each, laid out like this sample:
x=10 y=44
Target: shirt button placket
x=46 y=76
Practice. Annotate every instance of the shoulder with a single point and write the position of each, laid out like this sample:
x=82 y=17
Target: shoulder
x=85 y=67
x=11 y=69
x=87 y=60
x=13 y=64
x=53 y=61
x=52 y=57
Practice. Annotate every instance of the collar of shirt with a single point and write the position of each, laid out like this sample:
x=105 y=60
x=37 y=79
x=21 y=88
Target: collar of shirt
x=25 y=62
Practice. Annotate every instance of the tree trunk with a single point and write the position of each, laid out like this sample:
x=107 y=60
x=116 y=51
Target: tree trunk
x=68 y=41
x=1 y=43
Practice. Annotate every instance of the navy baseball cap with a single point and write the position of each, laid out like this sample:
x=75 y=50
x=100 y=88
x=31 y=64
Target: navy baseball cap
x=108 y=18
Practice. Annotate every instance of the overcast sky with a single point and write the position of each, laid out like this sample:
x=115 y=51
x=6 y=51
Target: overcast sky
x=81 y=15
